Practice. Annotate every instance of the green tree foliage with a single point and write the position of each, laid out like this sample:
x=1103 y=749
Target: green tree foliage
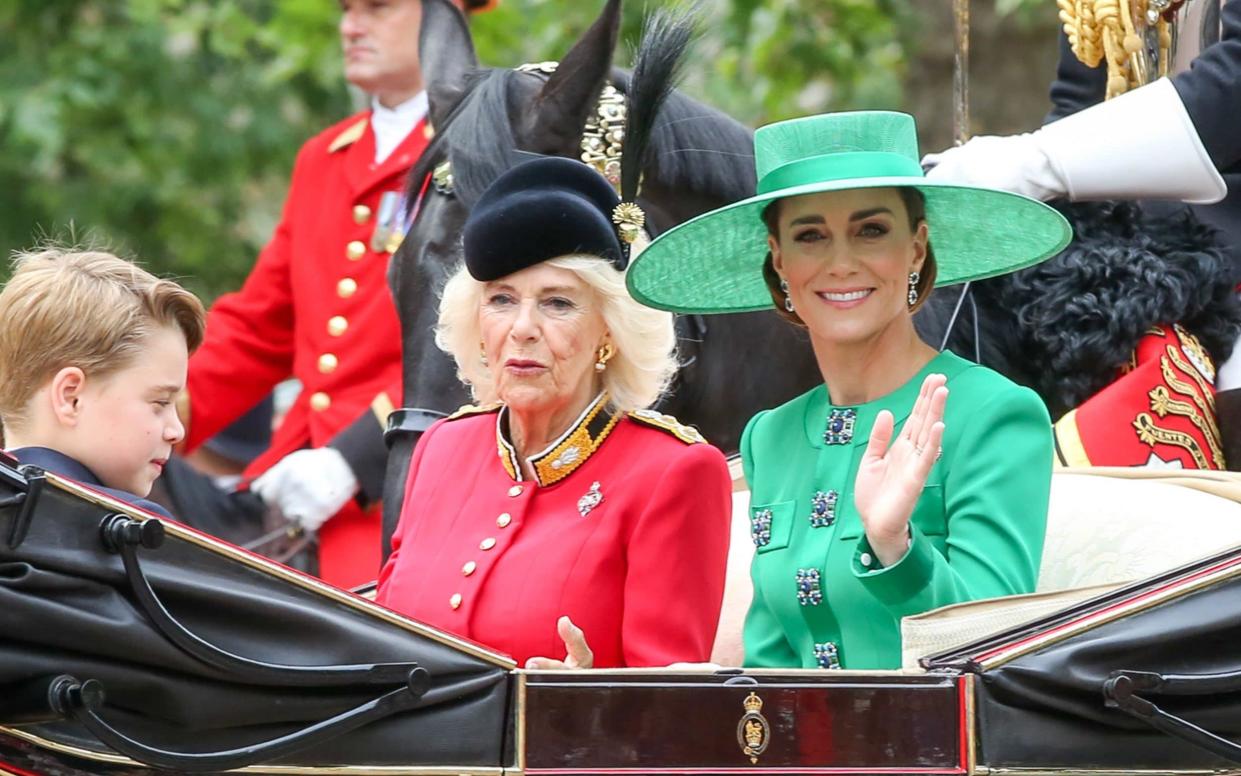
x=167 y=128
x=163 y=128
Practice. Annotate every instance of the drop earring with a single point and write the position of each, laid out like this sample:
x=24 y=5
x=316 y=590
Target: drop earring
x=913 y=288
x=482 y=354
x=605 y=355
x=788 y=300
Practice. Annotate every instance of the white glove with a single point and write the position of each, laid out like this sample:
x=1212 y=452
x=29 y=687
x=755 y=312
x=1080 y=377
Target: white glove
x=308 y=486
x=1140 y=145
x=1015 y=163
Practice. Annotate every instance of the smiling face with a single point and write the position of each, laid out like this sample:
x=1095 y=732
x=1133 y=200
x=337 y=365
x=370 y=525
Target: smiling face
x=846 y=256
x=380 y=41
x=542 y=328
x=126 y=422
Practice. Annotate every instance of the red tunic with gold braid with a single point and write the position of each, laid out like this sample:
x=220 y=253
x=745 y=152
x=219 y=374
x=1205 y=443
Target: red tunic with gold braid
x=316 y=307
x=624 y=528
x=1159 y=412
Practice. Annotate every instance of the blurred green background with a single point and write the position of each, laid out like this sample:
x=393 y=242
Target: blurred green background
x=166 y=129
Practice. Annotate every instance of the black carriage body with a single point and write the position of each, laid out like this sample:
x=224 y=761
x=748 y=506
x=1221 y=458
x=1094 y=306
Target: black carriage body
x=1029 y=700
x=67 y=607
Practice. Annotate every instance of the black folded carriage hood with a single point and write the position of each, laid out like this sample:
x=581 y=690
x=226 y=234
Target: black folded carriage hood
x=133 y=645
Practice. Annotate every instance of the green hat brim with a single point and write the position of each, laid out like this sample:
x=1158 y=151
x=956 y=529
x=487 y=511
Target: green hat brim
x=713 y=263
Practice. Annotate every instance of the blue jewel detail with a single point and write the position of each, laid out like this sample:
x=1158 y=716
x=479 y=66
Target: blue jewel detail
x=823 y=509
x=760 y=527
x=808 y=591
x=840 y=427
x=827 y=655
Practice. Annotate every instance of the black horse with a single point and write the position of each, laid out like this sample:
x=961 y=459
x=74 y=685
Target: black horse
x=697 y=159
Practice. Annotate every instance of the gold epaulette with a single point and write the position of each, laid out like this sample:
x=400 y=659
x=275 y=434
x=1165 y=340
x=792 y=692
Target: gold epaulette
x=348 y=136
x=468 y=410
x=687 y=434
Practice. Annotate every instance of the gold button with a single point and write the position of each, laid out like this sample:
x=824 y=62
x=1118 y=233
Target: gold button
x=320 y=401
x=361 y=214
x=504 y=519
x=346 y=288
x=468 y=568
x=355 y=250
x=455 y=601
x=336 y=325
x=515 y=491
x=428 y=131
x=328 y=363
x=487 y=544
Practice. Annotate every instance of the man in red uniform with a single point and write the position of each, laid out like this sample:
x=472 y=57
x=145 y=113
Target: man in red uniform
x=316 y=306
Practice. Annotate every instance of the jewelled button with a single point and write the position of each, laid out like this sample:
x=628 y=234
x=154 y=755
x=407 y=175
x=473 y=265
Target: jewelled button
x=487 y=544
x=328 y=363
x=346 y=287
x=823 y=509
x=515 y=491
x=827 y=655
x=455 y=601
x=504 y=519
x=468 y=568
x=361 y=214
x=337 y=325
x=355 y=250
x=839 y=429
x=809 y=593
x=760 y=527
x=320 y=401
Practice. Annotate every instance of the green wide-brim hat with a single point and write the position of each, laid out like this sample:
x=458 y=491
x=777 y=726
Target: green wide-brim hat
x=713 y=263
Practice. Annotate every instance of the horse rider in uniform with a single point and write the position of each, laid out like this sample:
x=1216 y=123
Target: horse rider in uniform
x=1170 y=133
x=316 y=305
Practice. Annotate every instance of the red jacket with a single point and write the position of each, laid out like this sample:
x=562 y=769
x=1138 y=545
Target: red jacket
x=316 y=307
x=1160 y=412
x=628 y=536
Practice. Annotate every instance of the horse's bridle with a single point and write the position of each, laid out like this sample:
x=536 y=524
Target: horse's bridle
x=602 y=144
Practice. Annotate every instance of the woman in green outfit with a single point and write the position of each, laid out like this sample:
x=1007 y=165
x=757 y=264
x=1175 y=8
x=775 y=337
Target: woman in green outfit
x=911 y=479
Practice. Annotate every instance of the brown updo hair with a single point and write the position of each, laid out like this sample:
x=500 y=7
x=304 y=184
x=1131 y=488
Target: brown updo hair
x=915 y=206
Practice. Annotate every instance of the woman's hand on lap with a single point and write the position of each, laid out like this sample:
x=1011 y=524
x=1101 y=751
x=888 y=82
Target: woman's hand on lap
x=893 y=472
x=579 y=654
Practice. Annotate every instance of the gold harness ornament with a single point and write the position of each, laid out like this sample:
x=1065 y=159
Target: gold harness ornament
x=603 y=138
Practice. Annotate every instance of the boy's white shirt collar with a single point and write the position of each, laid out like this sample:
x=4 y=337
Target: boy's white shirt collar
x=392 y=125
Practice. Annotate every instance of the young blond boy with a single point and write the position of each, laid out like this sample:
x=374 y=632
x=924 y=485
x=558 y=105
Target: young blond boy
x=93 y=351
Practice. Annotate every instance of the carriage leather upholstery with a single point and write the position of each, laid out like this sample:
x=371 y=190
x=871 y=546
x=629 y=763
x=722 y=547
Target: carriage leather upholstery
x=61 y=577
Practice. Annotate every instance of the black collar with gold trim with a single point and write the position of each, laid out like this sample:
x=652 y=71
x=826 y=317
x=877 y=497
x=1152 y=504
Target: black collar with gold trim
x=565 y=455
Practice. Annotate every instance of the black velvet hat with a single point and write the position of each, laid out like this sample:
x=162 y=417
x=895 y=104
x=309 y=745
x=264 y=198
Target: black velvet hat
x=539 y=210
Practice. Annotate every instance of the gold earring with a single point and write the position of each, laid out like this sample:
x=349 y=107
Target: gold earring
x=482 y=353
x=605 y=354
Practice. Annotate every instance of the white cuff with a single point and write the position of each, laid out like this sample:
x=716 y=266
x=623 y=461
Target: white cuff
x=1140 y=145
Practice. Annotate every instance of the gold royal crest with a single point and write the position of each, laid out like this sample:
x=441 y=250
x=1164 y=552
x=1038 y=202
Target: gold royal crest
x=753 y=732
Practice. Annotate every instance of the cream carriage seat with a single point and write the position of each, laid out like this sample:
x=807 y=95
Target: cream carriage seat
x=1105 y=527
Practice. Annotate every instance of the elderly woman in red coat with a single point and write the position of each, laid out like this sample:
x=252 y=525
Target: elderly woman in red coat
x=561 y=521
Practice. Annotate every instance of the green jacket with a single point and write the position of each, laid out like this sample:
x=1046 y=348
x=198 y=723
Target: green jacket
x=820 y=597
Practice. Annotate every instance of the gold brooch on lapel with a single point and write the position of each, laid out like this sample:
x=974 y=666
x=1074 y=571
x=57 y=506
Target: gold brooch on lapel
x=592 y=499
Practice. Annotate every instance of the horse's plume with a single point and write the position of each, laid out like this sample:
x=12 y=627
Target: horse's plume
x=666 y=36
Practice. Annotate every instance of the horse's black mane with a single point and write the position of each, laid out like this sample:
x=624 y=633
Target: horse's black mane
x=479 y=139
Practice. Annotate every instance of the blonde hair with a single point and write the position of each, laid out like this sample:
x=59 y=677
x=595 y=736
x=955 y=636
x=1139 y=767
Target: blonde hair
x=87 y=309
x=644 y=339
